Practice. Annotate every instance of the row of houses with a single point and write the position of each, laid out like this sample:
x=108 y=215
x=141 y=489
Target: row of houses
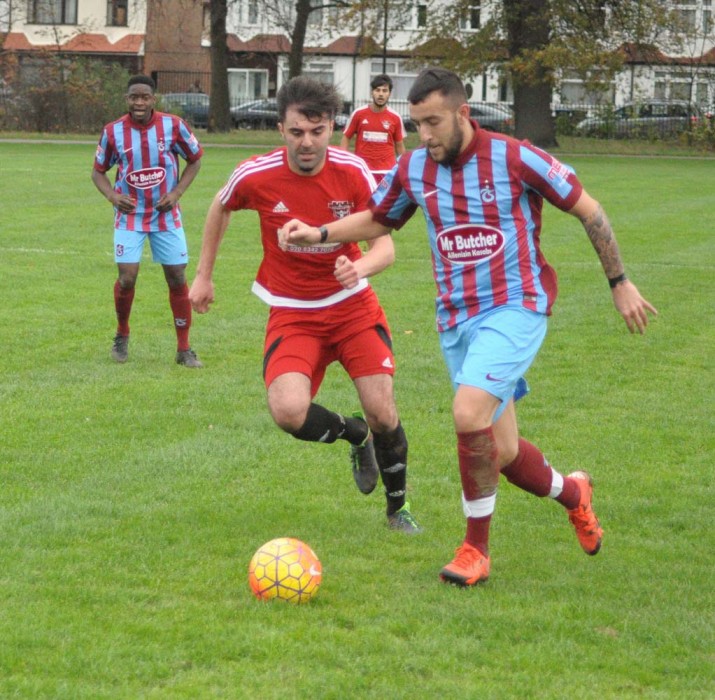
x=169 y=39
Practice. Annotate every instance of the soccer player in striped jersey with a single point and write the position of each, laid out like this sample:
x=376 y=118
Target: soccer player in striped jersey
x=481 y=194
x=144 y=145
x=378 y=130
x=322 y=308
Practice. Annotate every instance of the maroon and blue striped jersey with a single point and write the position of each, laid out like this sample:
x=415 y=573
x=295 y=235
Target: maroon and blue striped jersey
x=483 y=214
x=147 y=166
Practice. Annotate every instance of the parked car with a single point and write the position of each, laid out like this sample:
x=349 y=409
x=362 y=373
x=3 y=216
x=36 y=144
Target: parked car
x=491 y=117
x=647 y=119
x=257 y=114
x=193 y=107
x=263 y=114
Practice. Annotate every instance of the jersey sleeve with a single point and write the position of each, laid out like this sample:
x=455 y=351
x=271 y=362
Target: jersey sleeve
x=553 y=180
x=187 y=145
x=351 y=127
x=391 y=204
x=401 y=132
x=234 y=195
x=104 y=155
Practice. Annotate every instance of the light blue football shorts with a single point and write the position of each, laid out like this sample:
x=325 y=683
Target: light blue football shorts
x=167 y=247
x=492 y=351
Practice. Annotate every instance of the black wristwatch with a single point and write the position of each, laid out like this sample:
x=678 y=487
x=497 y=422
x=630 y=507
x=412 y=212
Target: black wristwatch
x=323 y=233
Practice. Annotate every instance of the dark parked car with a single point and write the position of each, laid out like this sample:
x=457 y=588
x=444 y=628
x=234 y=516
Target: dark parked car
x=193 y=107
x=257 y=114
x=263 y=114
x=491 y=117
x=647 y=119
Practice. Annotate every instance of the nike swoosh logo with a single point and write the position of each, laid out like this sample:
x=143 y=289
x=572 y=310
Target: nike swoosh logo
x=430 y=193
x=492 y=378
x=313 y=571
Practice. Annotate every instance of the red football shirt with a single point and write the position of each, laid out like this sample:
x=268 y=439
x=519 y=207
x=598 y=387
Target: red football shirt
x=300 y=277
x=377 y=133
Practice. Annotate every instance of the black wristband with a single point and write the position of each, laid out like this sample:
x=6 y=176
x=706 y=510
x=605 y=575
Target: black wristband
x=614 y=281
x=323 y=233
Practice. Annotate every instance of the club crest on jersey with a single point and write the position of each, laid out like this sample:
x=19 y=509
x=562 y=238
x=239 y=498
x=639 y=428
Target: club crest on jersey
x=340 y=209
x=385 y=125
x=487 y=193
x=146 y=178
x=468 y=244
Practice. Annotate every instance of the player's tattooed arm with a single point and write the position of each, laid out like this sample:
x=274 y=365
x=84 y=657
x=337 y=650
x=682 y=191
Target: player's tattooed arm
x=599 y=231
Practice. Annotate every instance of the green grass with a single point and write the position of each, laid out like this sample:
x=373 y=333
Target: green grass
x=132 y=497
x=567 y=144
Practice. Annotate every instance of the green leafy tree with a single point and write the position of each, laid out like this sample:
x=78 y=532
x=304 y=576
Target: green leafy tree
x=531 y=43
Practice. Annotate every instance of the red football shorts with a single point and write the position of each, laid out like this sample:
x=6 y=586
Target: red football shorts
x=354 y=332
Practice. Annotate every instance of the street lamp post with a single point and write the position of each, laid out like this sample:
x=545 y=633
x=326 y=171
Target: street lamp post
x=384 y=35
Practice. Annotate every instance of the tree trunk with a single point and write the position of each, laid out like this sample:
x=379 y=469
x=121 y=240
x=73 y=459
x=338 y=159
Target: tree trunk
x=295 y=60
x=219 y=115
x=528 y=31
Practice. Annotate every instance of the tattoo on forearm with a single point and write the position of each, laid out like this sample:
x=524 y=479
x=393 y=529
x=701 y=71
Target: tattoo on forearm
x=599 y=231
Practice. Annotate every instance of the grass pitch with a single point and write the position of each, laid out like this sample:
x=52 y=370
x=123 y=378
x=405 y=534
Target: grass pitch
x=132 y=497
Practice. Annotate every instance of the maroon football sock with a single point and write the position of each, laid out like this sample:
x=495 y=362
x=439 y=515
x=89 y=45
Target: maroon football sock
x=570 y=494
x=181 y=308
x=479 y=471
x=532 y=472
x=123 y=299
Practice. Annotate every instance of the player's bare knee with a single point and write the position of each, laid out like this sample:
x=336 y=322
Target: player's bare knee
x=287 y=416
x=127 y=281
x=382 y=421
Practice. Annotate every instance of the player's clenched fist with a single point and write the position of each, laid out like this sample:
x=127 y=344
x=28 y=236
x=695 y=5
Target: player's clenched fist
x=297 y=233
x=346 y=273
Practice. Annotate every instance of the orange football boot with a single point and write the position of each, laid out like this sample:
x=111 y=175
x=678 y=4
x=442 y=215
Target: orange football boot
x=468 y=567
x=582 y=517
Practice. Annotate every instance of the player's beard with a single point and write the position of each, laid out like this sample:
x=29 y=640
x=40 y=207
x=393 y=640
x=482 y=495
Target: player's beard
x=453 y=147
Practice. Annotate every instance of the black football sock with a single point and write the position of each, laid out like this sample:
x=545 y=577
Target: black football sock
x=322 y=425
x=391 y=455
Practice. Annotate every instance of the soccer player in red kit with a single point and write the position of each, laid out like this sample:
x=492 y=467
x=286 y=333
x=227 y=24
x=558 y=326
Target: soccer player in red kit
x=379 y=131
x=144 y=145
x=322 y=306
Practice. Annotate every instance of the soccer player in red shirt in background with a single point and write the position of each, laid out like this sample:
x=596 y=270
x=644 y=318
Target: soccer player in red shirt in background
x=322 y=306
x=144 y=145
x=379 y=131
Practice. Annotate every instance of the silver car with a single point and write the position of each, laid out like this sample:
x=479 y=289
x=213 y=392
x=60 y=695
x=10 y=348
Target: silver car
x=646 y=119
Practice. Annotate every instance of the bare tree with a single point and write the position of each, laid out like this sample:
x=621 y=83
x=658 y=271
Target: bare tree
x=294 y=20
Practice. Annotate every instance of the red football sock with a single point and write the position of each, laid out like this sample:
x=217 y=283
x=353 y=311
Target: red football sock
x=532 y=472
x=479 y=471
x=570 y=494
x=478 y=533
x=181 y=308
x=123 y=299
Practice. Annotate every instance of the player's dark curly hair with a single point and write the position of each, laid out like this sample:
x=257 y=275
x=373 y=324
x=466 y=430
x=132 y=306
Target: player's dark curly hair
x=310 y=97
x=381 y=79
x=439 y=80
x=141 y=80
